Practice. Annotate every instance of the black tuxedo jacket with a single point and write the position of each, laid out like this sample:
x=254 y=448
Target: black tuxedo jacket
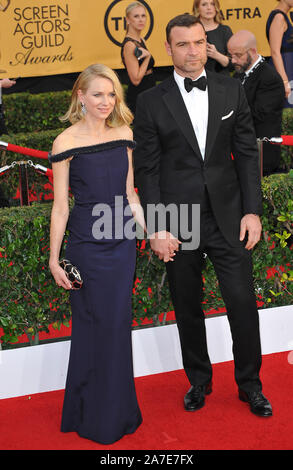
x=168 y=164
x=265 y=94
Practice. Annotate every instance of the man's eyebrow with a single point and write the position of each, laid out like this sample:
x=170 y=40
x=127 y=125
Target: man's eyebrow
x=190 y=42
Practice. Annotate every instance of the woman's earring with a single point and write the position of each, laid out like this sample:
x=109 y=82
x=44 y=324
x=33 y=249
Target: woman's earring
x=83 y=109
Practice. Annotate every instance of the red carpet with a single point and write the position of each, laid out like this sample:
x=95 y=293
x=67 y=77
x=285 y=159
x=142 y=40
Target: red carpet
x=225 y=423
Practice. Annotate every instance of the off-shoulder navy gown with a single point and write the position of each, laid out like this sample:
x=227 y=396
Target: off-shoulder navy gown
x=100 y=400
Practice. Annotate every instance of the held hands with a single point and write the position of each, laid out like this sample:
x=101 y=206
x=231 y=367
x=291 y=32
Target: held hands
x=164 y=245
x=59 y=276
x=250 y=223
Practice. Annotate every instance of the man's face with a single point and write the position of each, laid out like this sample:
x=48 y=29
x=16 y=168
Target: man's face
x=240 y=58
x=188 y=49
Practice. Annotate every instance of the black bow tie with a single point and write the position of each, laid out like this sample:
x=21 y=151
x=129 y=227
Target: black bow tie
x=201 y=83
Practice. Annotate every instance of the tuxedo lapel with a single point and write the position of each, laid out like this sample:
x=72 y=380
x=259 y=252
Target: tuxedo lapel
x=174 y=102
x=216 y=105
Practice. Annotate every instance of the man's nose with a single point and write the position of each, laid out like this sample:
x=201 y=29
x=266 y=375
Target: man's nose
x=193 y=50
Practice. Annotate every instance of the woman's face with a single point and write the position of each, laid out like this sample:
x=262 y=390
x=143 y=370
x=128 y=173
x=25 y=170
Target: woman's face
x=137 y=18
x=99 y=98
x=207 y=9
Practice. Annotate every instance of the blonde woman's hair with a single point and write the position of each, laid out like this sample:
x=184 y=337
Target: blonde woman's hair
x=120 y=115
x=130 y=7
x=218 y=17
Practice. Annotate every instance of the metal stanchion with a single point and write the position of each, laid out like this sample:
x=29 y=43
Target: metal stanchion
x=23 y=184
x=260 y=152
x=3 y=129
x=260 y=142
x=23 y=176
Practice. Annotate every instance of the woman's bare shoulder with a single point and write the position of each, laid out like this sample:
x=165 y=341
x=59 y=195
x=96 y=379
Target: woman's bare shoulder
x=64 y=141
x=125 y=132
x=279 y=20
x=129 y=46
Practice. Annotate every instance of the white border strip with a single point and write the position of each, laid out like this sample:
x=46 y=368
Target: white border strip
x=43 y=368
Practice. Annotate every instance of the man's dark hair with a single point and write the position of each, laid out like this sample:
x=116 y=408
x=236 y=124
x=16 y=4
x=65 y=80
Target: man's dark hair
x=186 y=20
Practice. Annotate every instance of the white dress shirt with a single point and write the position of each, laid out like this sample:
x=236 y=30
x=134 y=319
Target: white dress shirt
x=197 y=105
x=250 y=70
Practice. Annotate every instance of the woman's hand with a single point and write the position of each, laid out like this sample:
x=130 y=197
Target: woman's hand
x=287 y=88
x=212 y=51
x=164 y=245
x=136 y=69
x=145 y=53
x=59 y=276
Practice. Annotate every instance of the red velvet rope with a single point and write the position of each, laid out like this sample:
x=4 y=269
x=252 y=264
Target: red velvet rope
x=287 y=139
x=27 y=151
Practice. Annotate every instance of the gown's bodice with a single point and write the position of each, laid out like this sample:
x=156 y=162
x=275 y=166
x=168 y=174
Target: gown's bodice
x=97 y=172
x=97 y=180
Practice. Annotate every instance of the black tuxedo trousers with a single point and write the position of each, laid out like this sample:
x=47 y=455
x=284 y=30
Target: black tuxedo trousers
x=233 y=266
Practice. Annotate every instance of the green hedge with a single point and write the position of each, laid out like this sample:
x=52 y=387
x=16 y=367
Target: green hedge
x=287 y=151
x=31 y=301
x=25 y=112
x=30 y=114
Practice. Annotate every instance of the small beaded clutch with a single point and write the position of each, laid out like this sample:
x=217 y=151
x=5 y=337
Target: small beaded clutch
x=72 y=273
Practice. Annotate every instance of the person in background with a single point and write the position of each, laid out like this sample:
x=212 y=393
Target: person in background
x=208 y=11
x=264 y=92
x=136 y=58
x=4 y=83
x=279 y=32
x=7 y=83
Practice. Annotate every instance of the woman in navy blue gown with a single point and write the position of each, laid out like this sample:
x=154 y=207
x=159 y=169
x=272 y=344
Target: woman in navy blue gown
x=94 y=158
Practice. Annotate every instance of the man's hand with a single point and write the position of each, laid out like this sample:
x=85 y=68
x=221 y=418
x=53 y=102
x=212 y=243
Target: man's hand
x=250 y=223
x=164 y=245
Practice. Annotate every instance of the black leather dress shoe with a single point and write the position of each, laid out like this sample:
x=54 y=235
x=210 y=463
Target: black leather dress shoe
x=259 y=404
x=195 y=397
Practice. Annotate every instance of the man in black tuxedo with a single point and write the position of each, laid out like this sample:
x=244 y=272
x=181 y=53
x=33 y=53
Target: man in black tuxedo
x=265 y=93
x=185 y=137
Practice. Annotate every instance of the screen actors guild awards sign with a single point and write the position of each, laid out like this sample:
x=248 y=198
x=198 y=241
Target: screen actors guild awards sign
x=48 y=37
x=4 y=4
x=38 y=29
